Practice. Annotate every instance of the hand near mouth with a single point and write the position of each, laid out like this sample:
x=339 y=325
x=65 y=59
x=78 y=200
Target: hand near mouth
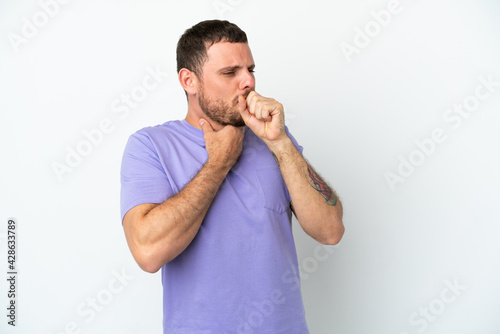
x=264 y=116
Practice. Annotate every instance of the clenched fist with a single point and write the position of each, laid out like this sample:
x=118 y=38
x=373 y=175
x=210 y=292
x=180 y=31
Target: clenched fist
x=264 y=116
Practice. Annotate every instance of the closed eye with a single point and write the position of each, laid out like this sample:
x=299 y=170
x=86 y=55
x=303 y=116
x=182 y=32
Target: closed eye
x=232 y=70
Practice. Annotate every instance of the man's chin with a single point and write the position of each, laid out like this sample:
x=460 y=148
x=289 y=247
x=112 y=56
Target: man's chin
x=235 y=123
x=238 y=121
x=239 y=124
x=226 y=117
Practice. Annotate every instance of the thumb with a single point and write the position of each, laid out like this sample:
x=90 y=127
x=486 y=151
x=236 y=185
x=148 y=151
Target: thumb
x=205 y=126
x=242 y=103
x=242 y=108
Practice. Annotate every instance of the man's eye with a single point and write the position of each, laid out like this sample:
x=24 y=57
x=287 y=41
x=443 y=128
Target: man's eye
x=228 y=73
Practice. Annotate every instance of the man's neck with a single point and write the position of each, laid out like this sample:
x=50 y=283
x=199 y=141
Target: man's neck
x=194 y=120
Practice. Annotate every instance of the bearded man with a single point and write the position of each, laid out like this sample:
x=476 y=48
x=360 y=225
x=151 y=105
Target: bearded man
x=209 y=199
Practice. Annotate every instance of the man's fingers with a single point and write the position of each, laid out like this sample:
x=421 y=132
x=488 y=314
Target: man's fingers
x=261 y=107
x=251 y=101
x=242 y=103
x=205 y=126
x=242 y=108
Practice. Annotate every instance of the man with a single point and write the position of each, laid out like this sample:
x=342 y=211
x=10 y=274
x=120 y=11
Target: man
x=209 y=198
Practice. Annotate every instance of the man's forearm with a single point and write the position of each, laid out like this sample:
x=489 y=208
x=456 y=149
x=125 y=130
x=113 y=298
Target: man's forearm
x=315 y=204
x=163 y=231
x=157 y=233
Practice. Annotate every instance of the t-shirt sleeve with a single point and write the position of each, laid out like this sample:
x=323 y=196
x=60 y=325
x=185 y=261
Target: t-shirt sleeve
x=143 y=178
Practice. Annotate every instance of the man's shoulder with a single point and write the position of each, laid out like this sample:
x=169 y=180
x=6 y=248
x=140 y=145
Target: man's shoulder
x=159 y=129
x=147 y=136
x=165 y=137
x=169 y=130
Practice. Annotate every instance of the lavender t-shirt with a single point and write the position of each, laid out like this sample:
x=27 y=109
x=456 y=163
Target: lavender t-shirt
x=240 y=273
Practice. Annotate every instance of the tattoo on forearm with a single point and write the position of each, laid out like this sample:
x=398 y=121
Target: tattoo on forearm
x=282 y=123
x=320 y=186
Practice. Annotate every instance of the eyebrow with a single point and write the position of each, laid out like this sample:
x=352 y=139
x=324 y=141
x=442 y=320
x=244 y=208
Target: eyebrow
x=235 y=67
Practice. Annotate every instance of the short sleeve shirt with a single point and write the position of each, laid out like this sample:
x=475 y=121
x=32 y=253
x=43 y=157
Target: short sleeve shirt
x=240 y=273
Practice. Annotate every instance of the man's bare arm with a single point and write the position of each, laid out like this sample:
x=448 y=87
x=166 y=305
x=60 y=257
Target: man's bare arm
x=157 y=233
x=315 y=204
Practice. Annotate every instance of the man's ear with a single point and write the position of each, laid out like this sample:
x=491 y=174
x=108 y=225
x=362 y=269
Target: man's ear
x=189 y=81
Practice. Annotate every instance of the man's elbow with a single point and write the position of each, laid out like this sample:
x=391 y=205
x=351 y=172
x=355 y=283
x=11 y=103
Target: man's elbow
x=149 y=267
x=148 y=261
x=334 y=236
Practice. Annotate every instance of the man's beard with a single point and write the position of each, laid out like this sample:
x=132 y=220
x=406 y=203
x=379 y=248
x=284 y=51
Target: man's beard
x=220 y=111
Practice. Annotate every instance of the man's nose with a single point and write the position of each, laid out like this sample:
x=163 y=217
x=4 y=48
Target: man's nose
x=248 y=81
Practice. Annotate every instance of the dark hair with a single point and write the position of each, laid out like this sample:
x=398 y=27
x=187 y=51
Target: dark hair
x=193 y=44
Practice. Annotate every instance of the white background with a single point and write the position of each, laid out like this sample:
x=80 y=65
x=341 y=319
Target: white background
x=356 y=117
